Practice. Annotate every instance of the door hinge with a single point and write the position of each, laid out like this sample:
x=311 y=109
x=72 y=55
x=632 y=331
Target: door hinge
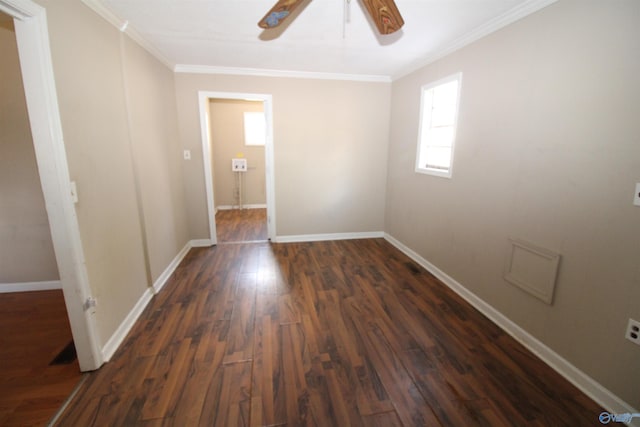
x=74 y=192
x=89 y=303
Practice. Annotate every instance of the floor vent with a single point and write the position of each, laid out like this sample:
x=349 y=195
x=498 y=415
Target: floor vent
x=66 y=356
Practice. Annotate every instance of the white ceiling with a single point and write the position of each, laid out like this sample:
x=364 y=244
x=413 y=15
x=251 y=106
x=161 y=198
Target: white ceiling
x=223 y=34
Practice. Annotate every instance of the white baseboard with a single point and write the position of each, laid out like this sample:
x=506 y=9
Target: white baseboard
x=30 y=286
x=162 y=280
x=250 y=206
x=582 y=381
x=200 y=243
x=120 y=334
x=333 y=236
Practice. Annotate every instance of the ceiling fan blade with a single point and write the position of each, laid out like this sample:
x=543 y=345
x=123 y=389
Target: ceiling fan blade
x=279 y=12
x=385 y=15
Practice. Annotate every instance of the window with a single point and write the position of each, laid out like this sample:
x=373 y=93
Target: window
x=255 y=129
x=437 y=133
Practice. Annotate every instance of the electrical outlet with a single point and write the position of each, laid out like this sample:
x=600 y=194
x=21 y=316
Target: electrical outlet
x=636 y=196
x=633 y=331
x=239 y=165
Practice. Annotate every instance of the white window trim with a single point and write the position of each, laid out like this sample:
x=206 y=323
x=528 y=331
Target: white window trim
x=430 y=171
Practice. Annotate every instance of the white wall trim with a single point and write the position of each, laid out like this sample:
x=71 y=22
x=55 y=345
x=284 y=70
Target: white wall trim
x=499 y=22
x=204 y=98
x=253 y=206
x=110 y=347
x=331 y=236
x=32 y=36
x=20 y=9
x=205 y=140
x=259 y=72
x=106 y=14
x=582 y=381
x=162 y=279
x=146 y=45
x=487 y=28
x=30 y=286
x=123 y=26
x=201 y=243
x=120 y=334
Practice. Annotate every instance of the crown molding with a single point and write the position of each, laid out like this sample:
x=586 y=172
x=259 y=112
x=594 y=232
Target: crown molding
x=492 y=26
x=105 y=13
x=123 y=26
x=258 y=72
x=511 y=16
x=146 y=45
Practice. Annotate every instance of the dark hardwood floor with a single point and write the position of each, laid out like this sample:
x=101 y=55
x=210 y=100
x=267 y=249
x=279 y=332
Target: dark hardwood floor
x=34 y=330
x=332 y=333
x=241 y=225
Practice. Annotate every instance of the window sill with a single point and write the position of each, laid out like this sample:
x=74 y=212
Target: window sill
x=435 y=172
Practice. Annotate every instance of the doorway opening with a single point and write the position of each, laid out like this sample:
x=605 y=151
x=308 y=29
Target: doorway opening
x=37 y=339
x=32 y=39
x=238 y=138
x=238 y=158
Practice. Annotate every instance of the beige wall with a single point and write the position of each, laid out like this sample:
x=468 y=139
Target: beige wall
x=120 y=133
x=330 y=149
x=26 y=251
x=157 y=155
x=227 y=140
x=547 y=151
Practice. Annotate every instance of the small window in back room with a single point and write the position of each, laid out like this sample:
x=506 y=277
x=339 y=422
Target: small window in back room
x=437 y=133
x=255 y=130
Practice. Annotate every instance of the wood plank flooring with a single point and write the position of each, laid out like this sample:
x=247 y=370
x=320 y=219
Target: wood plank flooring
x=241 y=225
x=339 y=333
x=35 y=328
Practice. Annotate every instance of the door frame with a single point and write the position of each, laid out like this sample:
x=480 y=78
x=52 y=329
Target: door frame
x=205 y=130
x=32 y=36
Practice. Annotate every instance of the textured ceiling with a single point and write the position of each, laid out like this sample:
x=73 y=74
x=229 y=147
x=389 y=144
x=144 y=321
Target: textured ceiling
x=326 y=36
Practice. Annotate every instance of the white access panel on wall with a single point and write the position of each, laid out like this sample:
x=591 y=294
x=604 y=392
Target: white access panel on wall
x=532 y=268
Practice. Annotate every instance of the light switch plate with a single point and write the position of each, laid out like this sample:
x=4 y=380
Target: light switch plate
x=636 y=196
x=187 y=154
